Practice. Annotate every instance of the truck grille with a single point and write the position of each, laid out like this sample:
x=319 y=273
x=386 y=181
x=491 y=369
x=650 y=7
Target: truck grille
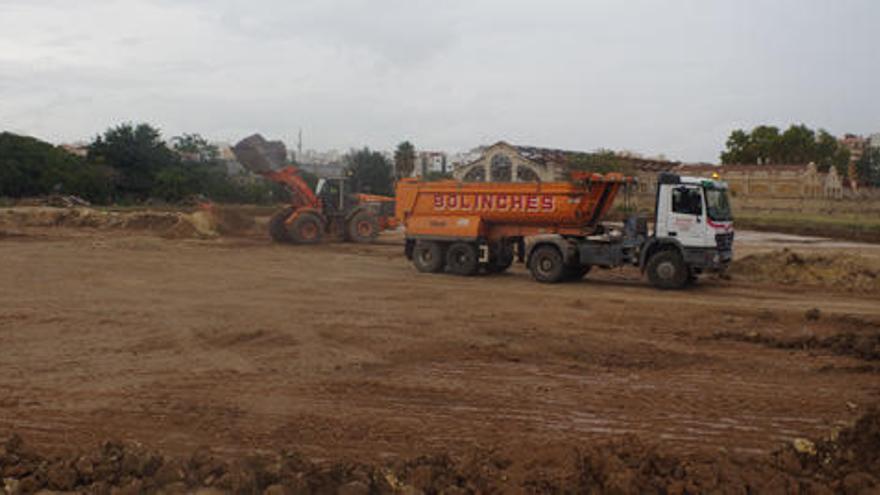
x=724 y=242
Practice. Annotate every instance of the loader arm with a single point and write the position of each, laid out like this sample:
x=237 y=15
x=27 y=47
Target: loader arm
x=301 y=193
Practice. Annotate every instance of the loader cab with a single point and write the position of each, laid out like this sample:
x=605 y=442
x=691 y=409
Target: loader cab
x=694 y=212
x=333 y=193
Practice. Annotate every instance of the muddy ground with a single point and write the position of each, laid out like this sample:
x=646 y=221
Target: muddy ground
x=348 y=357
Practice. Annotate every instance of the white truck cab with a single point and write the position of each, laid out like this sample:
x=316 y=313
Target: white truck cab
x=693 y=234
x=693 y=216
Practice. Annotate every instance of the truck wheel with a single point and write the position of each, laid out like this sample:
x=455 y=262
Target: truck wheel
x=462 y=259
x=547 y=265
x=428 y=257
x=278 y=227
x=576 y=272
x=501 y=260
x=362 y=228
x=666 y=270
x=307 y=229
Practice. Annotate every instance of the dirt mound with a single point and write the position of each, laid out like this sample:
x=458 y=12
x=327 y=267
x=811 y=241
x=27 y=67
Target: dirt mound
x=208 y=222
x=860 y=345
x=848 y=463
x=231 y=221
x=839 y=271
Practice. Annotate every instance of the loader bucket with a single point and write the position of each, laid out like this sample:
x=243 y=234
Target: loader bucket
x=260 y=156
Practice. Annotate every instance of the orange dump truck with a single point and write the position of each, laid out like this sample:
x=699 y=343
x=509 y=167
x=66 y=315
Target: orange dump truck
x=555 y=227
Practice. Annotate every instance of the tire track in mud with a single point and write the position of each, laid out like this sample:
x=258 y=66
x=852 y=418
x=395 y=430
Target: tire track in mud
x=345 y=350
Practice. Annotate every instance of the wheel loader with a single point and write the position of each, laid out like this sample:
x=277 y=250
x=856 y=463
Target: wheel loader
x=332 y=209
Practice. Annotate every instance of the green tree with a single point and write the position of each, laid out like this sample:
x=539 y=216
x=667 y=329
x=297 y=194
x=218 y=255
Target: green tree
x=194 y=147
x=404 y=160
x=369 y=172
x=739 y=148
x=868 y=168
x=30 y=167
x=798 y=144
x=137 y=153
x=766 y=145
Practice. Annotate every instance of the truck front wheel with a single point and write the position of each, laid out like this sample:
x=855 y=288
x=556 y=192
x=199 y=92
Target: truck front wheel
x=462 y=259
x=547 y=265
x=666 y=270
x=428 y=257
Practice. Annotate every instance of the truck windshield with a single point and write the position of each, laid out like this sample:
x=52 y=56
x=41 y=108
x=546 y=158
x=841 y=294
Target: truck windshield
x=717 y=205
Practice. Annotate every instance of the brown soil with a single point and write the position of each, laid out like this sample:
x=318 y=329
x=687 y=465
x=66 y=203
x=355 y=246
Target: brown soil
x=375 y=374
x=206 y=222
x=843 y=335
x=837 y=271
x=847 y=463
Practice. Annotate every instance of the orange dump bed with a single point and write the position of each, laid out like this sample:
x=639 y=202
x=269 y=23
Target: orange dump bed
x=450 y=209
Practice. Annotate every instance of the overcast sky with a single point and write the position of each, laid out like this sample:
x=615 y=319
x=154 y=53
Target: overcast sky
x=666 y=77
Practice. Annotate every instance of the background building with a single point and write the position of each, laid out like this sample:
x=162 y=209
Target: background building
x=503 y=162
x=773 y=181
x=430 y=162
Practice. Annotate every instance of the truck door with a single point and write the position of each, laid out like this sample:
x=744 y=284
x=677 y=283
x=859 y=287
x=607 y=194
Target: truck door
x=686 y=218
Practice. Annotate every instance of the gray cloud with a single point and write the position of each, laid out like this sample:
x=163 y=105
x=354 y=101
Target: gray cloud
x=655 y=76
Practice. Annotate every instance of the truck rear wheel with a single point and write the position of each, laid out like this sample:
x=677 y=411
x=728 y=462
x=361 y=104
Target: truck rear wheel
x=576 y=272
x=462 y=259
x=547 y=265
x=362 y=228
x=500 y=260
x=278 y=226
x=307 y=229
x=666 y=270
x=428 y=257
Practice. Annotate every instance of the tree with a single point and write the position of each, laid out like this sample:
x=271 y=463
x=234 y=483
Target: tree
x=369 y=172
x=798 y=145
x=404 y=160
x=193 y=147
x=30 y=167
x=868 y=168
x=739 y=148
x=137 y=153
x=765 y=145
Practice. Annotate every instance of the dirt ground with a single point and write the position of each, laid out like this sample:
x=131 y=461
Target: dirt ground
x=344 y=353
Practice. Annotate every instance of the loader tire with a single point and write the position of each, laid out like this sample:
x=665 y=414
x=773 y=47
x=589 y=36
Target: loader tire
x=278 y=226
x=307 y=229
x=362 y=228
x=428 y=257
x=547 y=265
x=462 y=259
x=667 y=271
